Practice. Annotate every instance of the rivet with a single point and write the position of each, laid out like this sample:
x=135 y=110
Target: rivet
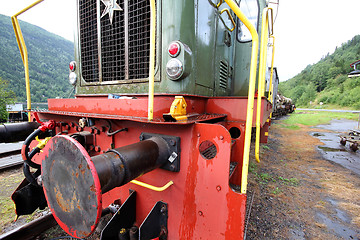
x=218 y=188
x=221 y=137
x=200 y=213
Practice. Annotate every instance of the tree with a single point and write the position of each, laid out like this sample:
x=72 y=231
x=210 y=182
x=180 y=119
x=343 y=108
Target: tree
x=6 y=97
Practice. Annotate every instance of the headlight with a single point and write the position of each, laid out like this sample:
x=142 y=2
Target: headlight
x=174 y=69
x=72 y=78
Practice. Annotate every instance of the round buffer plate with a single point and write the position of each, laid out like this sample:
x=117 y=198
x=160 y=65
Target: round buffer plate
x=72 y=187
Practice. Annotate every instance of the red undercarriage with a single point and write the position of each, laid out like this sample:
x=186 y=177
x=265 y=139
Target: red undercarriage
x=204 y=202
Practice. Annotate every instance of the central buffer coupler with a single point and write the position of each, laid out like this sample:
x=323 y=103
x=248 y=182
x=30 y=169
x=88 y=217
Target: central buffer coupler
x=74 y=182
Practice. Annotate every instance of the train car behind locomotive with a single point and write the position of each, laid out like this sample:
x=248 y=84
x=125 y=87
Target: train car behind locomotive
x=161 y=122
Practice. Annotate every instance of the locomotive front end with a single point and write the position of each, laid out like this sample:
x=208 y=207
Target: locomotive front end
x=159 y=131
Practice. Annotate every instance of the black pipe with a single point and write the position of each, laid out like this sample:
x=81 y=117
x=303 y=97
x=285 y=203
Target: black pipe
x=121 y=165
x=15 y=132
x=25 y=152
x=29 y=176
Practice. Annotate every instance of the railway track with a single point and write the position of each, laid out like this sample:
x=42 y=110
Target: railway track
x=10 y=155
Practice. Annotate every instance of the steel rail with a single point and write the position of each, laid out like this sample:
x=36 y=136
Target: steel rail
x=30 y=230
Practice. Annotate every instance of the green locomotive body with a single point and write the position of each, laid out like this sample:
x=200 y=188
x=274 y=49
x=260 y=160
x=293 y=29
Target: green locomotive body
x=113 y=56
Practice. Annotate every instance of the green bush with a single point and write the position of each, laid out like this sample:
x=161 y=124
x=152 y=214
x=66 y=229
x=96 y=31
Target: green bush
x=327 y=80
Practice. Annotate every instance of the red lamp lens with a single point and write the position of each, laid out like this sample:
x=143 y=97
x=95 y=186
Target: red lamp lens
x=72 y=66
x=174 y=49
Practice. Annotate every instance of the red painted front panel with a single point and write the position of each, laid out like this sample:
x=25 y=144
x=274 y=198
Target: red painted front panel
x=201 y=205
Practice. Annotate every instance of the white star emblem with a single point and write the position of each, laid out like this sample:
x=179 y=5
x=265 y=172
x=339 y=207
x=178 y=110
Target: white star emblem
x=111 y=6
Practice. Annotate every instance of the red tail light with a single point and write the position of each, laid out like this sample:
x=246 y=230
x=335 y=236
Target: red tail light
x=174 y=49
x=72 y=66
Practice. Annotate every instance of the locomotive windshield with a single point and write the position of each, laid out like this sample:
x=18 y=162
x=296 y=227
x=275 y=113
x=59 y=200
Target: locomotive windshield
x=251 y=10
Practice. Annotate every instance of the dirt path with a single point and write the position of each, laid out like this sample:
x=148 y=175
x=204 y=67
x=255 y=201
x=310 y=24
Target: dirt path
x=297 y=194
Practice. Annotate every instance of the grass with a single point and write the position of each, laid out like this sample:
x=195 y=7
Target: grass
x=8 y=184
x=264 y=178
x=276 y=191
x=289 y=181
x=265 y=147
x=314 y=118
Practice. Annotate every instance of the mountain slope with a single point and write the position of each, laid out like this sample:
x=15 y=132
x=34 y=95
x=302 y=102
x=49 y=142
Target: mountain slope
x=327 y=81
x=49 y=57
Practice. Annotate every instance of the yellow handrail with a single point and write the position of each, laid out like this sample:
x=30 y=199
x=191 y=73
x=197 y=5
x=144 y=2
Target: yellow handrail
x=152 y=60
x=157 y=189
x=251 y=94
x=230 y=17
x=23 y=51
x=262 y=72
x=271 y=87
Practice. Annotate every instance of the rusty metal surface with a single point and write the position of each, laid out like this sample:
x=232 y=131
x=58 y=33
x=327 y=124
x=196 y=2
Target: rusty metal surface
x=195 y=118
x=235 y=108
x=135 y=109
x=72 y=187
x=353 y=137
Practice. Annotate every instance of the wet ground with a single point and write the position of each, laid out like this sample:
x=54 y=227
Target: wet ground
x=332 y=150
x=298 y=190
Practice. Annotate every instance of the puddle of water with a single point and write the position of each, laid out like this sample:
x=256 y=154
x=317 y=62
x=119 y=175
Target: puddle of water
x=340 y=230
x=342 y=125
x=296 y=234
x=339 y=214
x=317 y=134
x=332 y=150
x=327 y=149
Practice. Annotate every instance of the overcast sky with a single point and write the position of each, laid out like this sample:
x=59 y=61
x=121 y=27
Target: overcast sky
x=56 y=16
x=305 y=30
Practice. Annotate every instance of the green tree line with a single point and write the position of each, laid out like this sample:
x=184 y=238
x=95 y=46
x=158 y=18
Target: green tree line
x=49 y=57
x=327 y=80
x=6 y=97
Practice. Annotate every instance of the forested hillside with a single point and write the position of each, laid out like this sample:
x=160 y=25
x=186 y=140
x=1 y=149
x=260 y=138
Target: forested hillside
x=327 y=81
x=49 y=57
